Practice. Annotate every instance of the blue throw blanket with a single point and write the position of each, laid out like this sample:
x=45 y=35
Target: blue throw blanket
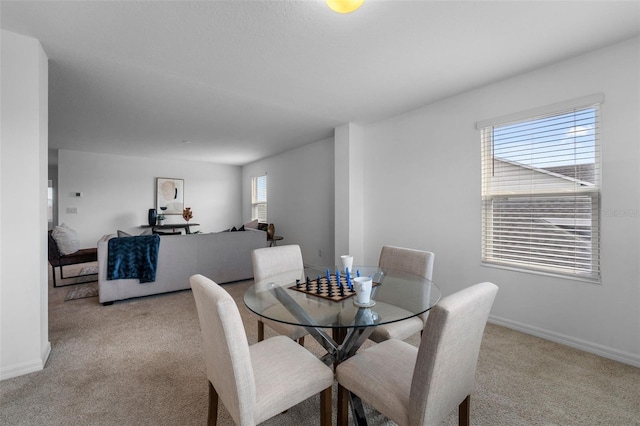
x=133 y=257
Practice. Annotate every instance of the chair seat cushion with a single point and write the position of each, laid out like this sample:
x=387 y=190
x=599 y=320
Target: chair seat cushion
x=397 y=330
x=387 y=365
x=80 y=256
x=292 y=331
x=285 y=374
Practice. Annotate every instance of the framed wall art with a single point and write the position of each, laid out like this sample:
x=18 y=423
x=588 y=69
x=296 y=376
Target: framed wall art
x=169 y=196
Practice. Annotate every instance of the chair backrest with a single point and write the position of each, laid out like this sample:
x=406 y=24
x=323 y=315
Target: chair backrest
x=275 y=261
x=416 y=262
x=226 y=349
x=54 y=252
x=448 y=354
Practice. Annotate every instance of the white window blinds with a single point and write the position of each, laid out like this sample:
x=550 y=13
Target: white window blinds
x=541 y=193
x=259 y=198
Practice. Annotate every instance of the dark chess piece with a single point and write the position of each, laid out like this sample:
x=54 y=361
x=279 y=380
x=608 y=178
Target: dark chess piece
x=341 y=290
x=308 y=288
x=297 y=283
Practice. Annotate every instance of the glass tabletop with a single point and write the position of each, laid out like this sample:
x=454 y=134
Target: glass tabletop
x=396 y=296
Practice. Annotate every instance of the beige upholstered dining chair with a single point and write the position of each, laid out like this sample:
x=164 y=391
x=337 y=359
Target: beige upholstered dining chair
x=415 y=262
x=278 y=261
x=259 y=381
x=421 y=386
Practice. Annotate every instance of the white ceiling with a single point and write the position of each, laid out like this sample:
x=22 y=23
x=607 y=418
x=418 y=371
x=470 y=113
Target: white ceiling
x=243 y=80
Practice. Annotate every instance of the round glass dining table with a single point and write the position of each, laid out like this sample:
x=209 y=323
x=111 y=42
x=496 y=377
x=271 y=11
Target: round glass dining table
x=396 y=296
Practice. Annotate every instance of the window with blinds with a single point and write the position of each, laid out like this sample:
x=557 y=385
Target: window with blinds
x=259 y=198
x=541 y=193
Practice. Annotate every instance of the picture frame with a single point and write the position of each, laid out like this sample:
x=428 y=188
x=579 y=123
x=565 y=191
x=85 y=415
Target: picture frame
x=169 y=196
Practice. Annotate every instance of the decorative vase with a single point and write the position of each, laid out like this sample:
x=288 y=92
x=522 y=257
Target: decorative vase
x=187 y=214
x=152 y=217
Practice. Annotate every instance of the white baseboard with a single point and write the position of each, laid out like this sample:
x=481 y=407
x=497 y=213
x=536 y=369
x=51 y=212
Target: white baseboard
x=45 y=354
x=26 y=367
x=583 y=345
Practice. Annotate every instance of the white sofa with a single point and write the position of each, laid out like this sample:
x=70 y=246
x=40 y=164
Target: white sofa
x=223 y=257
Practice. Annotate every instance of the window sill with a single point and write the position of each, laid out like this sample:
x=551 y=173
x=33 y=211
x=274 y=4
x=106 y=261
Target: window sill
x=590 y=280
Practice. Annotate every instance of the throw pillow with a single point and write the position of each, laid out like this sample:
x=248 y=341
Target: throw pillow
x=252 y=224
x=66 y=239
x=122 y=234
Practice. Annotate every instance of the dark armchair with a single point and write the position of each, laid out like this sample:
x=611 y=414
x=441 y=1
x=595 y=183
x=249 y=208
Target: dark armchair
x=57 y=259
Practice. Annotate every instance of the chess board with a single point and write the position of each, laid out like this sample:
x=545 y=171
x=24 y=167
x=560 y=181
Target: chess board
x=324 y=292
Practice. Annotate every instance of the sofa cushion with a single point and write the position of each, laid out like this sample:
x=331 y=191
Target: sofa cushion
x=66 y=239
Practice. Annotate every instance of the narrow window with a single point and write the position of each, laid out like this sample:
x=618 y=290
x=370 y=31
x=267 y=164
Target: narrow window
x=259 y=198
x=541 y=193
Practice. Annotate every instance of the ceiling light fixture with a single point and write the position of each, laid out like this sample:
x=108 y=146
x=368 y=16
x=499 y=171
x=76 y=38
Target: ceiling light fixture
x=344 y=6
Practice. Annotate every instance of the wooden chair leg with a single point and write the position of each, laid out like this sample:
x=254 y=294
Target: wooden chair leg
x=343 y=406
x=301 y=341
x=325 y=407
x=464 y=411
x=260 y=331
x=212 y=418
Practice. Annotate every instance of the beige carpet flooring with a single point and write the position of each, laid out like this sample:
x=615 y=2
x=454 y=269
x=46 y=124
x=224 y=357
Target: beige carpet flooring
x=140 y=362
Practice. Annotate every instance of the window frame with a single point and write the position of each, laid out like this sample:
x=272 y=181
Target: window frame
x=257 y=203
x=489 y=196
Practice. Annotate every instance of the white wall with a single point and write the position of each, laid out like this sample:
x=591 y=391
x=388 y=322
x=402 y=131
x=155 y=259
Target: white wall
x=24 y=336
x=422 y=190
x=118 y=191
x=300 y=198
x=349 y=192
